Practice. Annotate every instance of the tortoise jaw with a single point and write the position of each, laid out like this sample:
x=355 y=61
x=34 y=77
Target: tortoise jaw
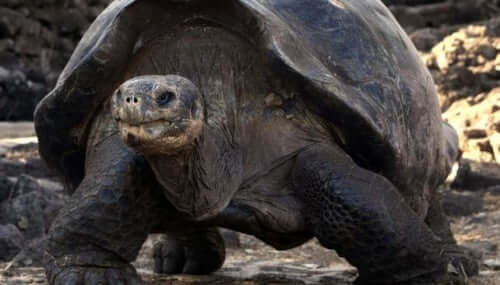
x=160 y=136
x=152 y=129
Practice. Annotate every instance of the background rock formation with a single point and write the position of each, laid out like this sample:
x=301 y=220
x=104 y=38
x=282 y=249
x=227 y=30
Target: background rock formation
x=37 y=38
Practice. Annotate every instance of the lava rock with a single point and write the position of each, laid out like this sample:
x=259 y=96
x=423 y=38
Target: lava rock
x=24 y=185
x=473 y=175
x=37 y=37
x=19 y=95
x=5 y=188
x=32 y=205
x=11 y=241
x=26 y=212
x=31 y=254
x=459 y=204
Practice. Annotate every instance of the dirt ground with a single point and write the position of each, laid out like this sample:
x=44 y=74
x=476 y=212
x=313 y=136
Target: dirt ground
x=475 y=217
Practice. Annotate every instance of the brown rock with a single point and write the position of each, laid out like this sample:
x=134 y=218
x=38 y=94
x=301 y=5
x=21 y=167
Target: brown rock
x=465 y=62
x=475 y=133
x=476 y=123
x=495 y=145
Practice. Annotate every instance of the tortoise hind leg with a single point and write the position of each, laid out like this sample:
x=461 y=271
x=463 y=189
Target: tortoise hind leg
x=196 y=252
x=363 y=217
x=463 y=259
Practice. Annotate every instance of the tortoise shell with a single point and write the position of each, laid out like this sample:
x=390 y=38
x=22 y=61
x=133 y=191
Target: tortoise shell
x=350 y=60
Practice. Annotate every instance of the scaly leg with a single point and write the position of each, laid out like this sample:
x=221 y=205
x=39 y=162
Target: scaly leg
x=109 y=216
x=363 y=217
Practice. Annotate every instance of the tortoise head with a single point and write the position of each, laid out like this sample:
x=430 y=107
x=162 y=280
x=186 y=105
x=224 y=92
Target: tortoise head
x=158 y=114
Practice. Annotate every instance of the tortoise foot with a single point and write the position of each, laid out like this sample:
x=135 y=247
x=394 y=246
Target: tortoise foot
x=88 y=275
x=198 y=253
x=464 y=262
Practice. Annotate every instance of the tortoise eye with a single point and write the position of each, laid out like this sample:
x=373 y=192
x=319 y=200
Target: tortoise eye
x=164 y=98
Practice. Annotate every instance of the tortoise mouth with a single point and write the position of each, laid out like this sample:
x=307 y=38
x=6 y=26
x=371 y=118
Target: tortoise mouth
x=154 y=129
x=159 y=136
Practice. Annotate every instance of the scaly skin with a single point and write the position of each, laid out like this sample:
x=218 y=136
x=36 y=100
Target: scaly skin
x=362 y=216
x=101 y=230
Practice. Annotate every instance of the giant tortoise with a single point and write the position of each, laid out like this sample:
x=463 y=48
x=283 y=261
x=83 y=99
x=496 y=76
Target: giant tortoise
x=283 y=119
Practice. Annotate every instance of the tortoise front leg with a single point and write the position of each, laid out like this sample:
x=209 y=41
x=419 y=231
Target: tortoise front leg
x=363 y=217
x=104 y=225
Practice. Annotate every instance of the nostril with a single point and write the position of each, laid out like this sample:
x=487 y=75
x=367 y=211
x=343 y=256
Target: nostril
x=127 y=99
x=135 y=100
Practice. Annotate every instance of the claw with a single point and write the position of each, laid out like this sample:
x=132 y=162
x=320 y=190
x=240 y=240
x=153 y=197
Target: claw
x=95 y=276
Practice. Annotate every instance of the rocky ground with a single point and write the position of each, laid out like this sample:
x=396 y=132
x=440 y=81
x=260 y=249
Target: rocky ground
x=459 y=41
x=29 y=201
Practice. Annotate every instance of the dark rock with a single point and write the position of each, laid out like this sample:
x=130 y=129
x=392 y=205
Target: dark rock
x=494 y=190
x=38 y=36
x=19 y=95
x=410 y=2
x=32 y=205
x=71 y=22
x=11 y=241
x=424 y=39
x=31 y=254
x=6 y=185
x=24 y=185
x=11 y=22
x=474 y=175
x=459 y=204
x=475 y=133
x=412 y=15
x=26 y=212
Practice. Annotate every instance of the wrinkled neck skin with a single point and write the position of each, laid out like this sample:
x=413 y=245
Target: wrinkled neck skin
x=201 y=181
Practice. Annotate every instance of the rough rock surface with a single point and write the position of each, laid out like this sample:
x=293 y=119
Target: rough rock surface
x=27 y=203
x=419 y=14
x=466 y=69
x=11 y=241
x=36 y=40
x=475 y=175
x=467 y=58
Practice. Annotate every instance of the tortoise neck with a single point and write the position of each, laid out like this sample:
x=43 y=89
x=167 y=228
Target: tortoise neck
x=200 y=182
